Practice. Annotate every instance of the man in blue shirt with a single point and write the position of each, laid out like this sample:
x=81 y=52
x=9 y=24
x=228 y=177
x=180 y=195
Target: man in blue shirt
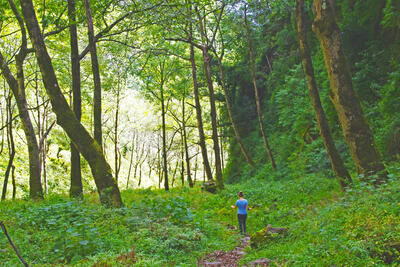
x=242 y=206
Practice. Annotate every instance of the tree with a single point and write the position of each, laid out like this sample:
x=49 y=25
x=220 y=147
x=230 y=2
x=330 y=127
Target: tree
x=199 y=117
x=11 y=148
x=159 y=72
x=205 y=46
x=356 y=130
x=87 y=146
x=18 y=88
x=336 y=161
x=258 y=101
x=185 y=144
x=76 y=189
x=98 y=136
x=220 y=57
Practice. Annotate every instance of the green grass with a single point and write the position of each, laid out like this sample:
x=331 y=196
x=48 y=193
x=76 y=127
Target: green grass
x=176 y=228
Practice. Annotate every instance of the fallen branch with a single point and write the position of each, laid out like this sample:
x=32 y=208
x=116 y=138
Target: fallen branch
x=3 y=227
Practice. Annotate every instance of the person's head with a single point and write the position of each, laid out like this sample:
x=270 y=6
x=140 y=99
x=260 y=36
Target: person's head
x=240 y=194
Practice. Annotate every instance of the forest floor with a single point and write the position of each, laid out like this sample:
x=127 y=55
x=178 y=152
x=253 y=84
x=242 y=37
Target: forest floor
x=226 y=259
x=187 y=227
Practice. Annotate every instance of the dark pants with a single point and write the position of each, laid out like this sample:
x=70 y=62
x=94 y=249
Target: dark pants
x=242 y=223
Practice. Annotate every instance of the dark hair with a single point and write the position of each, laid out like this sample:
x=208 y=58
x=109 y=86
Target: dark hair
x=240 y=194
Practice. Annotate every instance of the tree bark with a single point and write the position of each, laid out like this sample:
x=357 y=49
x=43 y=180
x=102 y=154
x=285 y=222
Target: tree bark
x=96 y=77
x=258 y=102
x=18 y=88
x=87 y=146
x=202 y=140
x=337 y=164
x=76 y=189
x=355 y=127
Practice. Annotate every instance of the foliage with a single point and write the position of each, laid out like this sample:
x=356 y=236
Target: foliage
x=162 y=228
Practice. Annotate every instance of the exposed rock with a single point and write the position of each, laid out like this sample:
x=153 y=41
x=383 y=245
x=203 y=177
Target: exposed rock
x=260 y=263
x=265 y=234
x=215 y=263
x=210 y=186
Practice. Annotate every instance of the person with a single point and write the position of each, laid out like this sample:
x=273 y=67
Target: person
x=242 y=205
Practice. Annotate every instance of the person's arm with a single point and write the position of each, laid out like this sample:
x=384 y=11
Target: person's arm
x=247 y=206
x=234 y=206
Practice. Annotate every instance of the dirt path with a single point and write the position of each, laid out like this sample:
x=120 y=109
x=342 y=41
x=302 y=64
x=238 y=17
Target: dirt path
x=231 y=258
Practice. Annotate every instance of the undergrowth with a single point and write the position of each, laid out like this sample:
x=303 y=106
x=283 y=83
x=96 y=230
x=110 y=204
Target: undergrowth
x=155 y=228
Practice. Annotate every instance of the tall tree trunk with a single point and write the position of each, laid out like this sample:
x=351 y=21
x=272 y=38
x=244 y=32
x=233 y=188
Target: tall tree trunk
x=164 y=138
x=135 y=169
x=87 y=146
x=258 y=102
x=202 y=142
x=355 y=127
x=195 y=170
x=76 y=189
x=130 y=161
x=116 y=135
x=18 y=88
x=217 y=153
x=336 y=161
x=2 y=116
x=246 y=155
x=42 y=151
x=174 y=173
x=14 y=185
x=11 y=148
x=189 y=175
x=182 y=159
x=140 y=174
x=39 y=127
x=96 y=77
x=213 y=109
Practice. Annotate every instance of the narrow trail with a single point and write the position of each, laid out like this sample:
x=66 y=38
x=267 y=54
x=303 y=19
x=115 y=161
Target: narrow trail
x=231 y=258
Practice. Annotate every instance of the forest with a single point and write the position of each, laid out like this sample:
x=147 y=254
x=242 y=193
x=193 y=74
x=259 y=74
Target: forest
x=200 y=133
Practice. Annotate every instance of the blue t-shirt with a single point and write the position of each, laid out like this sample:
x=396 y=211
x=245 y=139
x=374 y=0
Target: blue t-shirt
x=241 y=204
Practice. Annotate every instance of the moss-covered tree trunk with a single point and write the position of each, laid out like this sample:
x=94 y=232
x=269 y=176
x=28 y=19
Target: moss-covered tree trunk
x=337 y=164
x=258 y=101
x=355 y=127
x=87 y=146
x=76 y=189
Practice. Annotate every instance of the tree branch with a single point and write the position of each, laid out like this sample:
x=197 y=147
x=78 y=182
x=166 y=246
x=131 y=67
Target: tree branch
x=3 y=227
